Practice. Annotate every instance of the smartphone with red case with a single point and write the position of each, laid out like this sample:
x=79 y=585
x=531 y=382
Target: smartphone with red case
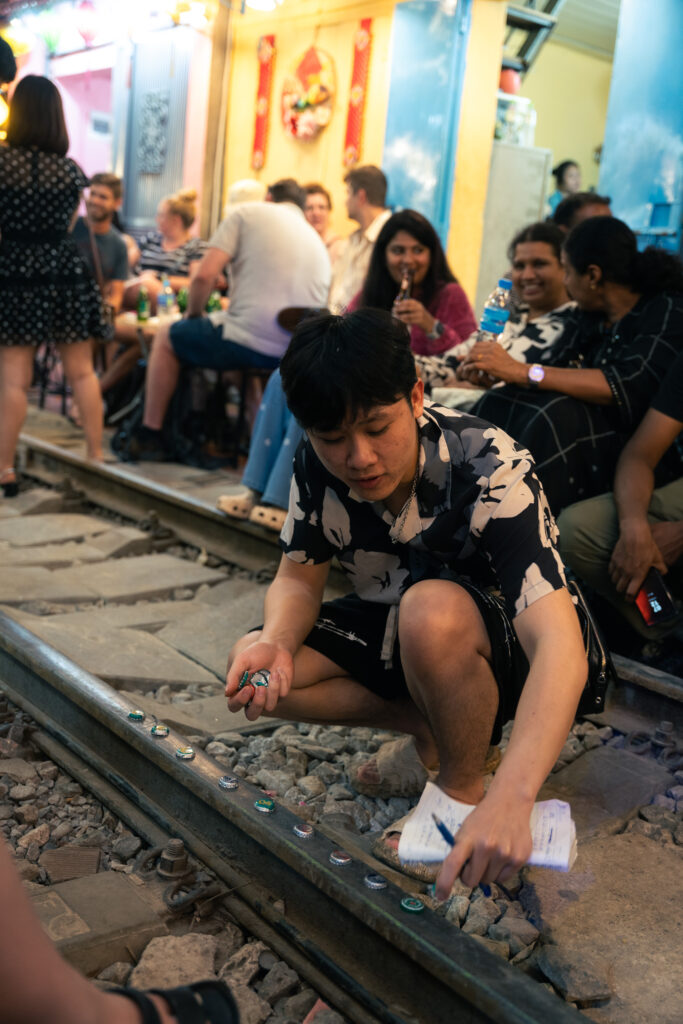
x=654 y=601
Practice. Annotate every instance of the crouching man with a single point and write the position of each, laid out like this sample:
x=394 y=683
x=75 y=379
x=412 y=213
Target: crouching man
x=459 y=618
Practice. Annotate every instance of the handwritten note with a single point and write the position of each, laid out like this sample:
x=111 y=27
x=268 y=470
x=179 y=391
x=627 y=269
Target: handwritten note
x=552 y=831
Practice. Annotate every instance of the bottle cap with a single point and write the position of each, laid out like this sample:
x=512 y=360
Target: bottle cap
x=228 y=782
x=339 y=858
x=265 y=805
x=375 y=881
x=303 y=830
x=412 y=905
x=505 y=282
x=184 y=753
x=159 y=731
x=136 y=715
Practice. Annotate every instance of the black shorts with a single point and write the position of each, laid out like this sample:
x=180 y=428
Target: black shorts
x=350 y=632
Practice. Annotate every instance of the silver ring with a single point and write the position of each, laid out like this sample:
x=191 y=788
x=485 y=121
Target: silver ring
x=260 y=678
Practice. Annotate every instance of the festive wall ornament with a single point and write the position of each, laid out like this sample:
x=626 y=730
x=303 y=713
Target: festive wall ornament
x=359 y=81
x=266 y=59
x=308 y=94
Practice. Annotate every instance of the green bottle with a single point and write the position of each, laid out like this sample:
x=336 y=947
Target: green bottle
x=143 y=305
x=181 y=300
x=214 y=302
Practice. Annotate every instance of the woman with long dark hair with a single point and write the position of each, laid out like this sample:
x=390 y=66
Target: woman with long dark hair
x=46 y=290
x=437 y=311
x=575 y=412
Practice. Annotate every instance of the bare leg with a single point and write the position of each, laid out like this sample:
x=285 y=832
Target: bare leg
x=120 y=367
x=162 y=379
x=16 y=370
x=36 y=984
x=321 y=693
x=446 y=653
x=78 y=366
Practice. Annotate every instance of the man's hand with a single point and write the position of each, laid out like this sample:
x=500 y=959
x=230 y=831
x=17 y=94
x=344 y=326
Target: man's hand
x=634 y=554
x=493 y=842
x=256 y=699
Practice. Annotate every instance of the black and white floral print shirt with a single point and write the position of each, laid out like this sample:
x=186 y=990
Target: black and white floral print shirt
x=478 y=512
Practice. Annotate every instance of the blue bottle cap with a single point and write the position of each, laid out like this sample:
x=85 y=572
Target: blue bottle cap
x=505 y=282
x=136 y=715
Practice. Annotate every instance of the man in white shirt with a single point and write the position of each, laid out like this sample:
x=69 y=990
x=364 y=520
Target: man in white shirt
x=366 y=190
x=276 y=260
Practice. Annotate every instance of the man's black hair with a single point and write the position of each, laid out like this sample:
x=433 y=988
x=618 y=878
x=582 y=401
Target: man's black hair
x=566 y=211
x=339 y=366
x=287 y=190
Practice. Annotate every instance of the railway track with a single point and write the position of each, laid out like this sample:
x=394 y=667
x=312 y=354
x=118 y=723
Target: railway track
x=358 y=947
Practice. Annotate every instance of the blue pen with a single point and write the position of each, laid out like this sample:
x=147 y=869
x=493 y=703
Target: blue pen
x=450 y=839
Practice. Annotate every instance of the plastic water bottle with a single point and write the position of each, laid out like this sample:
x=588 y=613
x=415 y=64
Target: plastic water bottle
x=496 y=312
x=166 y=298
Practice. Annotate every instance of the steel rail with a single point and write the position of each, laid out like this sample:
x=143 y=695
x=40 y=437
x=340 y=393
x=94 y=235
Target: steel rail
x=394 y=967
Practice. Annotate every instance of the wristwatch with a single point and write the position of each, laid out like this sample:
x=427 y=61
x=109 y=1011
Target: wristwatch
x=535 y=374
x=436 y=331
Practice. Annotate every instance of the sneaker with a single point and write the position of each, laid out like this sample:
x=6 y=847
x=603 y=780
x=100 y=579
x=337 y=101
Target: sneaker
x=147 y=445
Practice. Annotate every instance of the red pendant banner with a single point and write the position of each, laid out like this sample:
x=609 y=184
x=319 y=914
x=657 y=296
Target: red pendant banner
x=359 y=81
x=266 y=58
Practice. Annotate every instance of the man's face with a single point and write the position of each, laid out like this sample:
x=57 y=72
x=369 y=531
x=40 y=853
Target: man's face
x=101 y=203
x=583 y=288
x=353 y=203
x=375 y=454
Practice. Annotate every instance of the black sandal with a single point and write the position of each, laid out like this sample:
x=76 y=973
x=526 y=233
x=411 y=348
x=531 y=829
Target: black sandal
x=205 y=1002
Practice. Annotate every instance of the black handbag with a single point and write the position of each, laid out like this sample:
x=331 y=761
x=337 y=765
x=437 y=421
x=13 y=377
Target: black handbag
x=601 y=670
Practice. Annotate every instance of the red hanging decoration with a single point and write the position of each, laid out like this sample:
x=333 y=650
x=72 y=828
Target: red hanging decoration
x=87 y=21
x=359 y=82
x=266 y=58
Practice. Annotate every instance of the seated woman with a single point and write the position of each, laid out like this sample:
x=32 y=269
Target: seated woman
x=437 y=311
x=575 y=413
x=439 y=316
x=317 y=211
x=169 y=251
x=532 y=331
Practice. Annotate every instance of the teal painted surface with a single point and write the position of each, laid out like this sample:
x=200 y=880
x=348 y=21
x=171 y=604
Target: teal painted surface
x=642 y=162
x=428 y=52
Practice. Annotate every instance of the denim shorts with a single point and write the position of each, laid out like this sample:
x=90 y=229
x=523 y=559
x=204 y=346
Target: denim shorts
x=200 y=342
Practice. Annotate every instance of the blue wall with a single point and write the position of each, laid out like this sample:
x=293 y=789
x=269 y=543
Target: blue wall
x=642 y=161
x=428 y=51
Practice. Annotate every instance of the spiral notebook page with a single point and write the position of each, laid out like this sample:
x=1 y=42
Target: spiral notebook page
x=552 y=831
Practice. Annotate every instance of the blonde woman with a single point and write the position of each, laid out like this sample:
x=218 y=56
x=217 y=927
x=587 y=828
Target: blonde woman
x=169 y=251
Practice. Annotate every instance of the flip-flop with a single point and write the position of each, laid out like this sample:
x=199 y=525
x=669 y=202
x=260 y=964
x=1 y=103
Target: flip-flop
x=238 y=505
x=388 y=854
x=270 y=516
x=204 y=1002
x=401 y=772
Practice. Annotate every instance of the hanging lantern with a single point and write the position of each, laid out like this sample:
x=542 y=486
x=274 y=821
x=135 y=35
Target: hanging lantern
x=4 y=114
x=49 y=30
x=87 y=21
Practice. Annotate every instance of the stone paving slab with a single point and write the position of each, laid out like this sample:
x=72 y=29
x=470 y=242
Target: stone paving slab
x=230 y=590
x=97 y=920
x=115 y=543
x=148 y=616
x=618 y=910
x=208 y=635
x=124 y=658
x=50 y=529
x=33 y=502
x=605 y=787
x=36 y=583
x=132 y=579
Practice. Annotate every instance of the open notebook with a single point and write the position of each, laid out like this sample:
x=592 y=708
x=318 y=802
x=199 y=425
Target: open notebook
x=552 y=830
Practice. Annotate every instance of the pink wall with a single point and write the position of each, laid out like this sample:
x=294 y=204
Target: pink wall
x=195 y=121
x=83 y=94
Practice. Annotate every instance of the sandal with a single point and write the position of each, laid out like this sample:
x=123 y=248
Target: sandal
x=8 y=482
x=238 y=505
x=204 y=1002
x=270 y=516
x=388 y=854
x=400 y=770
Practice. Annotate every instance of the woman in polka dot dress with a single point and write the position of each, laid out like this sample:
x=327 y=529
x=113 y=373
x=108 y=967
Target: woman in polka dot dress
x=46 y=290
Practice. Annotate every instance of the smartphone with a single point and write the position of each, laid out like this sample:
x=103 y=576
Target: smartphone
x=653 y=600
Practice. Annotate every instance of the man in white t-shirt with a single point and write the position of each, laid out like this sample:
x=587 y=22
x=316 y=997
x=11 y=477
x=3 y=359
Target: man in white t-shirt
x=366 y=191
x=276 y=260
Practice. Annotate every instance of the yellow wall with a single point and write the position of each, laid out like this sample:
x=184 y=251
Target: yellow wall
x=475 y=140
x=331 y=26
x=569 y=89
